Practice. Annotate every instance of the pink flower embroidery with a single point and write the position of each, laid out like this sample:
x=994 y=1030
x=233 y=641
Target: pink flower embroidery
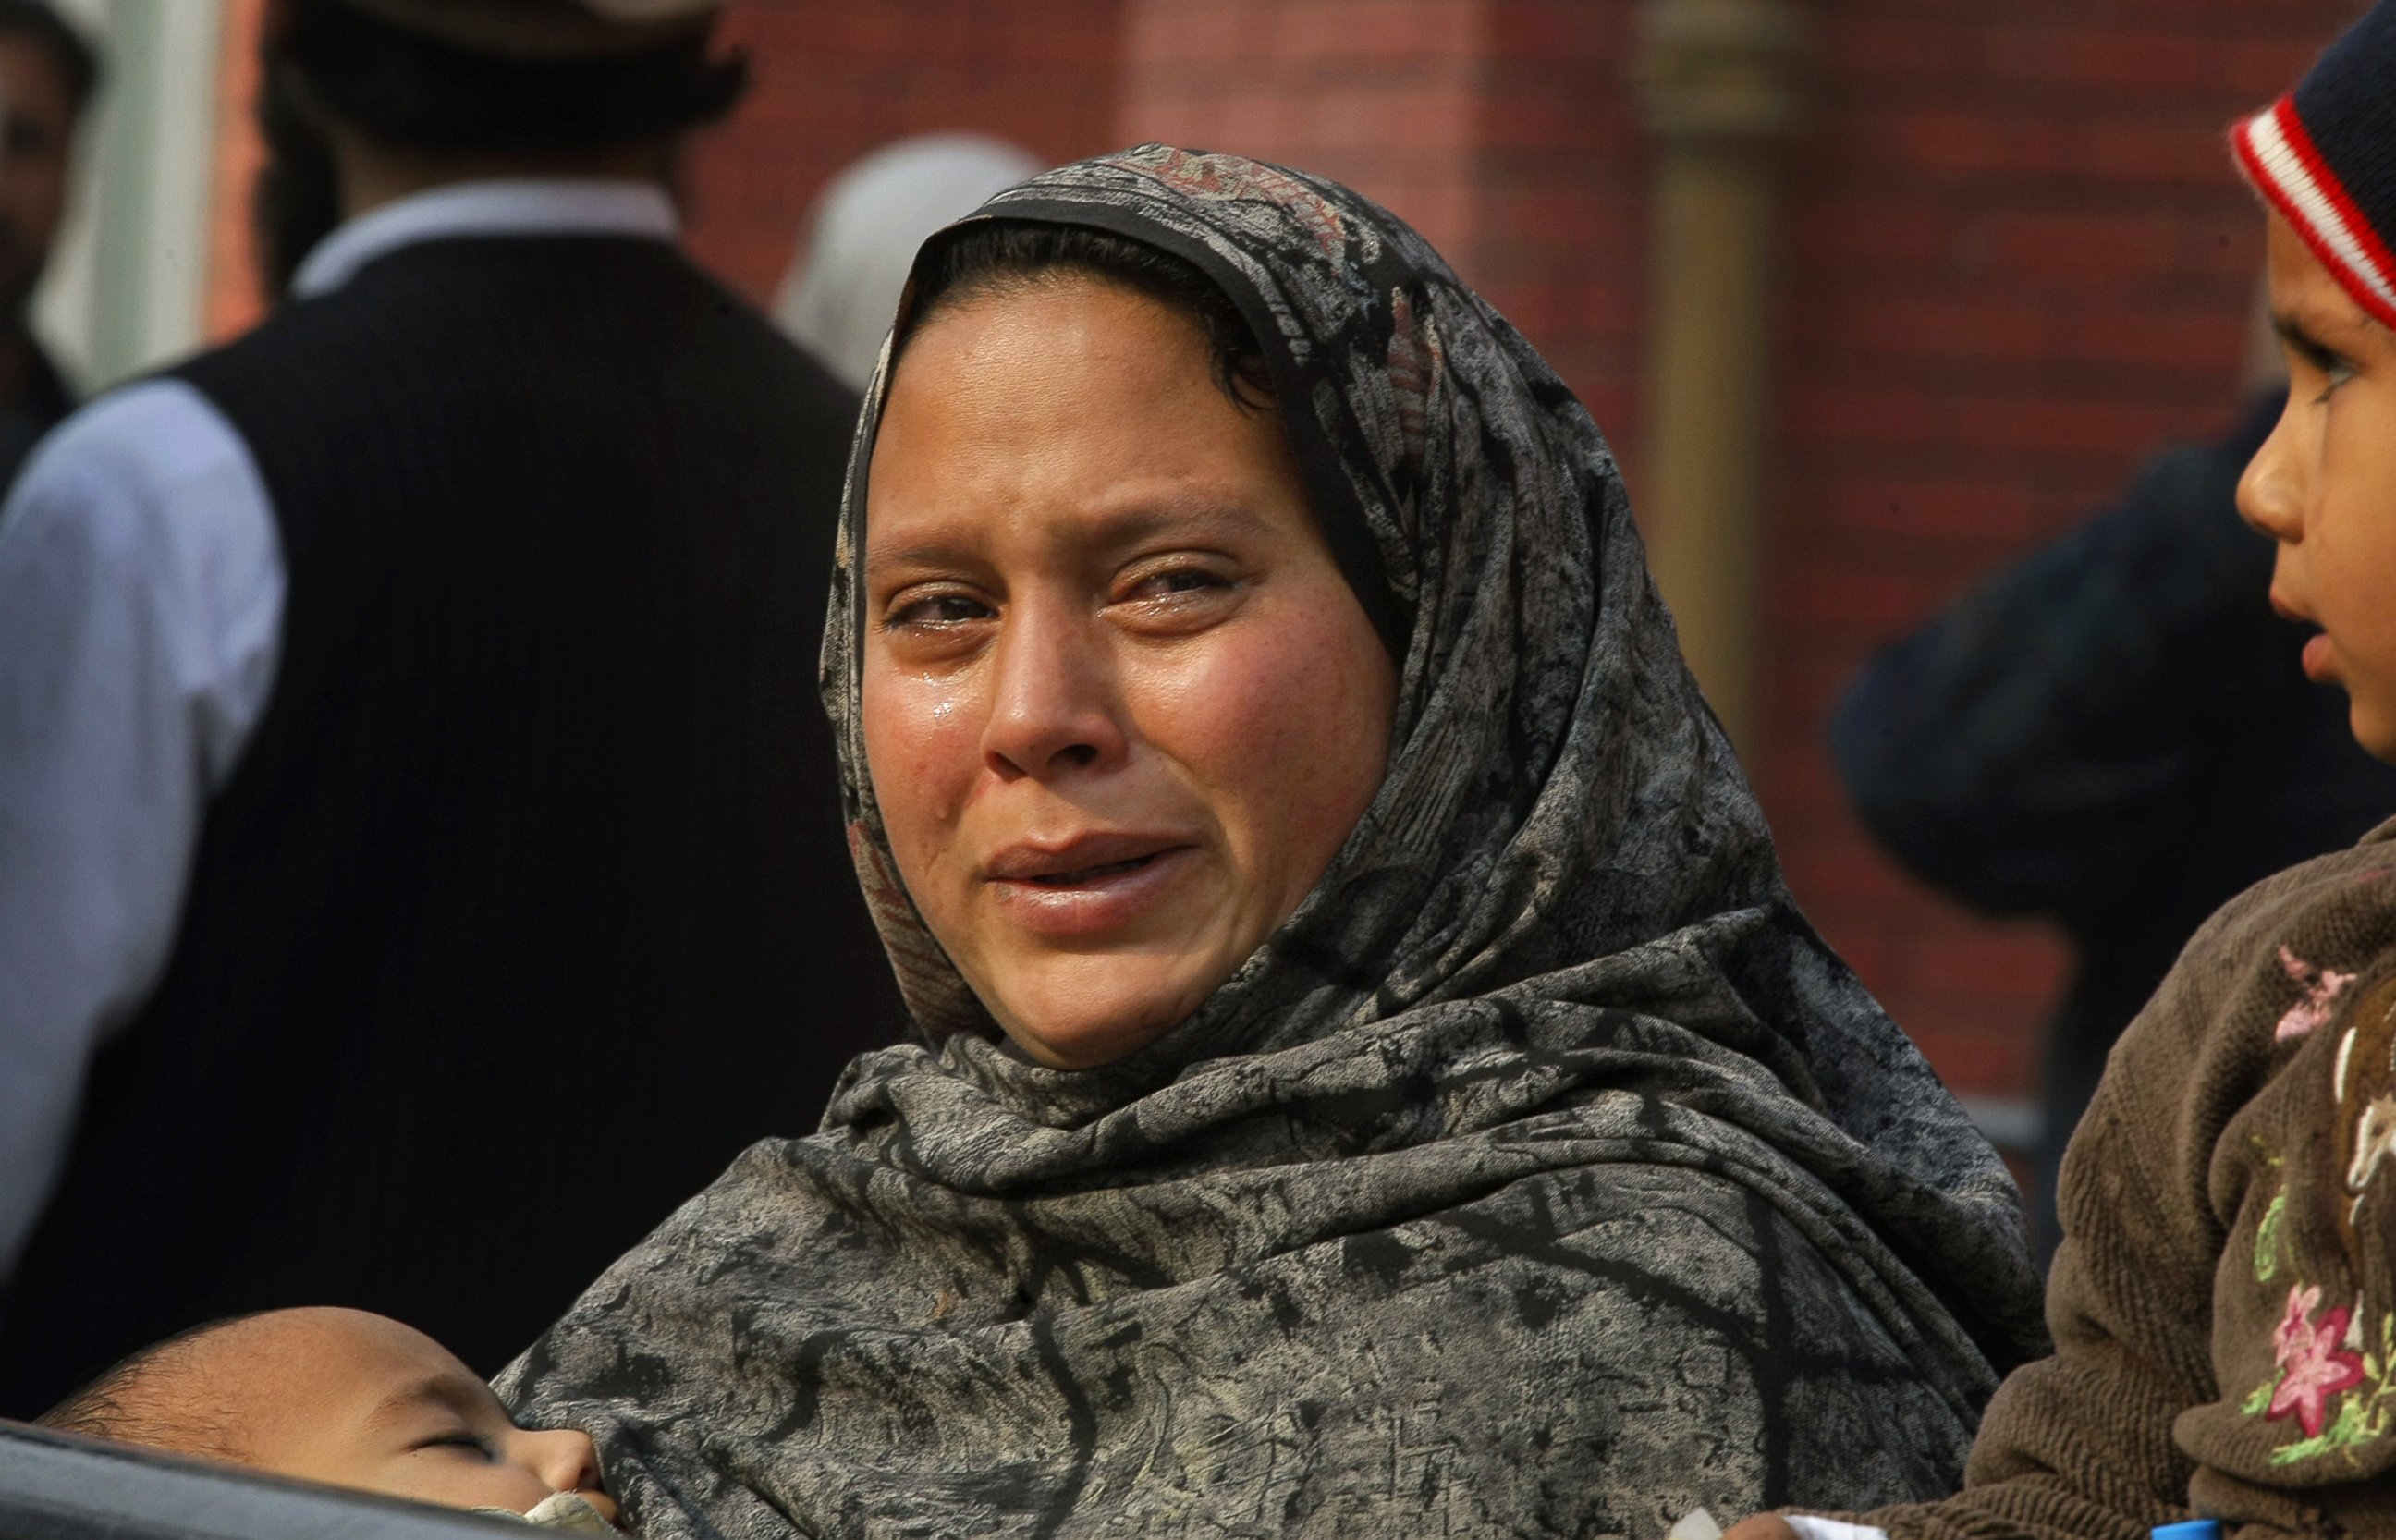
x=2295 y=1330
x=2322 y=986
x=2313 y=1367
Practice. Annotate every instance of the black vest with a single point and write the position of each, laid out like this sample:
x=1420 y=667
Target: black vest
x=527 y=906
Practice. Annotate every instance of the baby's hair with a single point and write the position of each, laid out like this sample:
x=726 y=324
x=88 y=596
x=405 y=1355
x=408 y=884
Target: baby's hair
x=139 y=1399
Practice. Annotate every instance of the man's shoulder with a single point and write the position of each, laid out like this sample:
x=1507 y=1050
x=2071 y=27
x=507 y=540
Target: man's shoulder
x=150 y=438
x=578 y=302
x=145 y=498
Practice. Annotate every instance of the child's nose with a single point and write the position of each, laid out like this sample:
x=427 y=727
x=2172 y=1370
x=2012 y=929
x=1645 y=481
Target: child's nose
x=564 y=1458
x=2268 y=497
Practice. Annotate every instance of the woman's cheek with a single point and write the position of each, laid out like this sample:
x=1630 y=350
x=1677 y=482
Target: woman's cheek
x=1221 y=706
x=1265 y=717
x=923 y=751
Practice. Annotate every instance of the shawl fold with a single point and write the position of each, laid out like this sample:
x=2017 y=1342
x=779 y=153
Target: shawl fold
x=1543 y=1174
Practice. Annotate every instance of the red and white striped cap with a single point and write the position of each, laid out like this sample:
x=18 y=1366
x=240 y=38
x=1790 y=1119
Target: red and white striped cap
x=2324 y=157
x=2280 y=157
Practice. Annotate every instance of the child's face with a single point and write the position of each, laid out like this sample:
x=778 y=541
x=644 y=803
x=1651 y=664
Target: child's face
x=2324 y=486
x=358 y=1400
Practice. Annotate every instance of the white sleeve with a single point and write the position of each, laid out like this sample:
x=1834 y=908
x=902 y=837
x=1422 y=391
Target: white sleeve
x=142 y=588
x=1809 y=1528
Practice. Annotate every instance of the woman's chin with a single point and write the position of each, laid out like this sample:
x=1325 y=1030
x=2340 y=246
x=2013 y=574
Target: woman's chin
x=1068 y=1028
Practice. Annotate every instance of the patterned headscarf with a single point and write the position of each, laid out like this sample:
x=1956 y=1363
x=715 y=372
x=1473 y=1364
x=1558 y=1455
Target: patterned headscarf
x=1544 y=1172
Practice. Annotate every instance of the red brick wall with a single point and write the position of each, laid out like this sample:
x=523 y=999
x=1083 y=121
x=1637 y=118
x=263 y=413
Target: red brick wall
x=2017 y=260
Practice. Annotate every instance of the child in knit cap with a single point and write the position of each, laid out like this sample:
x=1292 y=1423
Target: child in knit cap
x=2224 y=1303
x=346 y=1399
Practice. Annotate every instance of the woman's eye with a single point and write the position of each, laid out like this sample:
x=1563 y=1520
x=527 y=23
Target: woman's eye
x=936 y=609
x=1176 y=581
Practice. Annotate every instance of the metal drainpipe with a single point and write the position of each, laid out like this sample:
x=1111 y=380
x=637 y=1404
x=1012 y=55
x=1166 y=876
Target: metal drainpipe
x=1720 y=92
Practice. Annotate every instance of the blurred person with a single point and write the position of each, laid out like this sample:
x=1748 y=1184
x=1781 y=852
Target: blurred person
x=417 y=820
x=48 y=75
x=842 y=290
x=2112 y=734
x=2224 y=1299
x=345 y=1398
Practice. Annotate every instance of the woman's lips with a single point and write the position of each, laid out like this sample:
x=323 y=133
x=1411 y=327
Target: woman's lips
x=1084 y=900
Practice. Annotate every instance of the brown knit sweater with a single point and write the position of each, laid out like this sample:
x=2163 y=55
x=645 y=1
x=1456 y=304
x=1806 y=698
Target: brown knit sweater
x=2223 y=1304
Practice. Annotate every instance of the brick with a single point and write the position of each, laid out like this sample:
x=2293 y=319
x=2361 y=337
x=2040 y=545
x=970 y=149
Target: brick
x=2012 y=964
x=1908 y=51
x=1374 y=30
x=2115 y=62
x=1876 y=232
x=1543 y=32
x=1981 y=510
x=1875 y=415
x=2110 y=428
x=2126 y=246
x=1424 y=120
x=1846 y=870
x=2002 y=1063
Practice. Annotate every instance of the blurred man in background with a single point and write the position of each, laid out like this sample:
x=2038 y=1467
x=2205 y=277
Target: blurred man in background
x=423 y=863
x=48 y=74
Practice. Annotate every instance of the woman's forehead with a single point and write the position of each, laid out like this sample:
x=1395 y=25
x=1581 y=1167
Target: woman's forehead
x=1092 y=409
x=1063 y=328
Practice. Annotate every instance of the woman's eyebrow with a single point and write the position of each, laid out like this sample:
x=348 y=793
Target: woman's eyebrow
x=1134 y=524
x=924 y=554
x=1137 y=522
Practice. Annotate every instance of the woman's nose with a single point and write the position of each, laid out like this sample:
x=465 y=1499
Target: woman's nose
x=564 y=1458
x=2270 y=493
x=1053 y=708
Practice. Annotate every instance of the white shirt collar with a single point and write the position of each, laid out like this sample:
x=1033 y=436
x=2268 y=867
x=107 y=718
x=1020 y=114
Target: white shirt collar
x=515 y=207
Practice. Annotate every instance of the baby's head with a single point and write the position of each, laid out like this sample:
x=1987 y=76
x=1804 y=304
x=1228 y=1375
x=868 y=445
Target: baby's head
x=2324 y=485
x=335 y=1396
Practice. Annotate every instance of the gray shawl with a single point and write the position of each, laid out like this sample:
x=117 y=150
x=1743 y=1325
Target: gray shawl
x=1543 y=1175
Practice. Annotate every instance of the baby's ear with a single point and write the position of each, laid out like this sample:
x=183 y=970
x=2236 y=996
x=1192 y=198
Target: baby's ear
x=1764 y=1526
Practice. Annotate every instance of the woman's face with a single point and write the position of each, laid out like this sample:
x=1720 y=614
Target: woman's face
x=1121 y=709
x=2323 y=485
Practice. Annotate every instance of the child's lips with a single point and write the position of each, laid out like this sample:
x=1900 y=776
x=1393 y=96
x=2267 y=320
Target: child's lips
x=2320 y=659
